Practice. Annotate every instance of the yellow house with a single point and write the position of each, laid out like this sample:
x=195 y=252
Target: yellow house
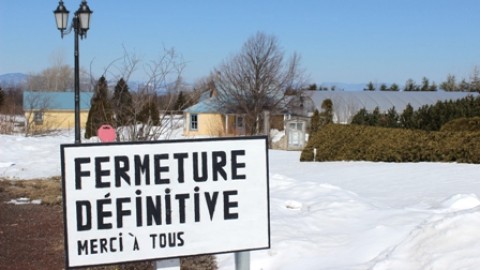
x=48 y=111
x=208 y=119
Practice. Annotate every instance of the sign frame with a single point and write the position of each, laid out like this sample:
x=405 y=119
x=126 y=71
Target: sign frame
x=248 y=156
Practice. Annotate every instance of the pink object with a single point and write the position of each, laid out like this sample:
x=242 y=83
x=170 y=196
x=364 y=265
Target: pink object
x=106 y=133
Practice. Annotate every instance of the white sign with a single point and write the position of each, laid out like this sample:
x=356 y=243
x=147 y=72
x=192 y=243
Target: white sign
x=128 y=202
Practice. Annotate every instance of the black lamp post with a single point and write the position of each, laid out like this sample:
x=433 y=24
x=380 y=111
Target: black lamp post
x=80 y=25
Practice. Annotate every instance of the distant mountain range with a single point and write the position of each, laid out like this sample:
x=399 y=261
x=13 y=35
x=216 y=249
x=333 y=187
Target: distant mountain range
x=13 y=79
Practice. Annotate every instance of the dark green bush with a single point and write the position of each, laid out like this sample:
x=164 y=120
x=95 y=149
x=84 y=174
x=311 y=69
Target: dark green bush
x=462 y=124
x=354 y=142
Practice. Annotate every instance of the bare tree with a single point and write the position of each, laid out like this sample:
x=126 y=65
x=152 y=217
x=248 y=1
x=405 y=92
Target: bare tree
x=11 y=111
x=36 y=106
x=2 y=97
x=58 y=77
x=450 y=84
x=122 y=67
x=256 y=79
x=475 y=80
x=201 y=86
x=13 y=100
x=158 y=95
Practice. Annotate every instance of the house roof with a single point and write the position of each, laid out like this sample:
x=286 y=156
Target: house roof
x=209 y=105
x=63 y=101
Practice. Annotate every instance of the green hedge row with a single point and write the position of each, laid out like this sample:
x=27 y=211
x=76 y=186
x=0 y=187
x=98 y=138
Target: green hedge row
x=462 y=124
x=354 y=142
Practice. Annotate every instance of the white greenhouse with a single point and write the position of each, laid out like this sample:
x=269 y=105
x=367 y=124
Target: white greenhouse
x=346 y=104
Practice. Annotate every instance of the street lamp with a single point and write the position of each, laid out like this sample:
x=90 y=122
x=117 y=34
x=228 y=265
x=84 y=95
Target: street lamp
x=80 y=25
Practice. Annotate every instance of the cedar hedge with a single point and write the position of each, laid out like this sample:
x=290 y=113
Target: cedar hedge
x=355 y=142
x=462 y=124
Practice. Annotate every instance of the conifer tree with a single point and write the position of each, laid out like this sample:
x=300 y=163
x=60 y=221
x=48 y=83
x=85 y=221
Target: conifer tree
x=149 y=113
x=327 y=114
x=312 y=87
x=463 y=86
x=361 y=117
x=122 y=104
x=425 y=84
x=374 y=120
x=100 y=110
x=407 y=117
x=391 y=118
x=181 y=102
x=370 y=87
x=410 y=85
x=433 y=87
x=314 y=123
x=394 y=87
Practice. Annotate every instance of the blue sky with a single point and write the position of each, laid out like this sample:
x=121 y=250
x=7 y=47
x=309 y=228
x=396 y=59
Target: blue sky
x=349 y=41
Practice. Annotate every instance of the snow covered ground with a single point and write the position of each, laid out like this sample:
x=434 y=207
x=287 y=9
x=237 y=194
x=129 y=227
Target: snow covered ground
x=335 y=215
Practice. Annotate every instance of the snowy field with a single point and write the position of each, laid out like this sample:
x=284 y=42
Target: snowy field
x=335 y=215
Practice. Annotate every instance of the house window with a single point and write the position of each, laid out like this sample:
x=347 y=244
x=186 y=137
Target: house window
x=193 y=122
x=296 y=126
x=240 y=121
x=38 y=118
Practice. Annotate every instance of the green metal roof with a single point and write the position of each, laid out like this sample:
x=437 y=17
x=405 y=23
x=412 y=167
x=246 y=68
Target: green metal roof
x=205 y=106
x=63 y=101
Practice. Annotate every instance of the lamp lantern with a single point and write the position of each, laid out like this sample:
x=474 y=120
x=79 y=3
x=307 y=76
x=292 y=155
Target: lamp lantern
x=83 y=14
x=61 y=17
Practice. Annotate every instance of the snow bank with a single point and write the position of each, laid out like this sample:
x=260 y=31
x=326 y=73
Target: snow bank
x=449 y=241
x=335 y=215
x=31 y=157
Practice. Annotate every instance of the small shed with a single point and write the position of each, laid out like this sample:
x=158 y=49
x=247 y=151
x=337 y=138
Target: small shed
x=299 y=109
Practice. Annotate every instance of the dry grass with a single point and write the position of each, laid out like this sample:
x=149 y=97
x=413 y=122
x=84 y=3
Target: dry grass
x=49 y=191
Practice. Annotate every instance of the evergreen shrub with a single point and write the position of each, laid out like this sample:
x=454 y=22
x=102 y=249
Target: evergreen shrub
x=427 y=117
x=366 y=143
x=462 y=124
